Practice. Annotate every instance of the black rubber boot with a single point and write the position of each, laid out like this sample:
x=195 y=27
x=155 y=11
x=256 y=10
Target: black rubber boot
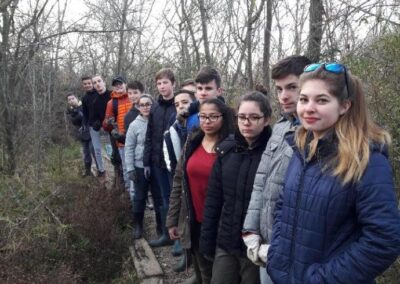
x=158 y=224
x=137 y=225
x=164 y=240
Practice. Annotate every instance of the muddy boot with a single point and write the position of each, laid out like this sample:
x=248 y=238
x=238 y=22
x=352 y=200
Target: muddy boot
x=137 y=225
x=177 y=248
x=164 y=239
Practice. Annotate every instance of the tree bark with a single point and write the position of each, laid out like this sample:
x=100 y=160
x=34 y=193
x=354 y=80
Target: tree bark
x=267 y=46
x=203 y=15
x=316 y=30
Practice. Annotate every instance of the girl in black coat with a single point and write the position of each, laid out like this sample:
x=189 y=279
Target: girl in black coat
x=229 y=192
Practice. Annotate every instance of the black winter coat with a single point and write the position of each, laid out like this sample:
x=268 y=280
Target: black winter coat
x=229 y=192
x=160 y=115
x=130 y=116
x=94 y=108
x=80 y=131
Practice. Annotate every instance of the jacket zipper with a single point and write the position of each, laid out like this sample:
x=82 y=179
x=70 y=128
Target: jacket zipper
x=294 y=233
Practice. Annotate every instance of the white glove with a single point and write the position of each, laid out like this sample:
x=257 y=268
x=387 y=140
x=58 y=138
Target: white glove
x=263 y=252
x=252 y=242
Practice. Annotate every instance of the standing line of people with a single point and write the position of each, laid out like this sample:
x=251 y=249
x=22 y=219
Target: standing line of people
x=309 y=199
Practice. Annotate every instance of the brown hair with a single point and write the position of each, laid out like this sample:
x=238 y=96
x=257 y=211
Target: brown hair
x=354 y=130
x=166 y=73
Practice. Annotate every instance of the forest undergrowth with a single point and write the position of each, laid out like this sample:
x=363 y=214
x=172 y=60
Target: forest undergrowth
x=58 y=227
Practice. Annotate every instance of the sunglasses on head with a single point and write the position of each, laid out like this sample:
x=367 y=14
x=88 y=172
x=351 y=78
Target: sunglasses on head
x=333 y=67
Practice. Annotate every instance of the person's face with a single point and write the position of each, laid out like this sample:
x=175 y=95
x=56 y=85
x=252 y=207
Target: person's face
x=317 y=109
x=134 y=95
x=182 y=102
x=207 y=91
x=165 y=88
x=72 y=101
x=251 y=121
x=87 y=85
x=210 y=119
x=99 y=84
x=287 y=89
x=119 y=88
x=145 y=106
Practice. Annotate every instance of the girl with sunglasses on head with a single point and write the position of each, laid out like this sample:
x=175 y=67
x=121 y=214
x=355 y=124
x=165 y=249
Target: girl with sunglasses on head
x=230 y=187
x=337 y=221
x=185 y=214
x=134 y=148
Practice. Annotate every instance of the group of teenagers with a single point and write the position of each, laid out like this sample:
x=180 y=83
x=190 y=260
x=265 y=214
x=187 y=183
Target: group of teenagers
x=310 y=199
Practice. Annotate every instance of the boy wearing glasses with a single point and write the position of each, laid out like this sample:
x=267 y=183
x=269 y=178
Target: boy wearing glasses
x=257 y=228
x=155 y=168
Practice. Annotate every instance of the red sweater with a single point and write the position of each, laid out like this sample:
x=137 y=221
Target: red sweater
x=198 y=170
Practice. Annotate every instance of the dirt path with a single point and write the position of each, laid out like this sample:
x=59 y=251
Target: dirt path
x=163 y=254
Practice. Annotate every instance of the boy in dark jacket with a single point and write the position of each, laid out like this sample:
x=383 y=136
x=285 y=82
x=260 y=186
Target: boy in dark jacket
x=94 y=109
x=81 y=131
x=153 y=160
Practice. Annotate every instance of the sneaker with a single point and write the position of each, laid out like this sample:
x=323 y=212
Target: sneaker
x=101 y=174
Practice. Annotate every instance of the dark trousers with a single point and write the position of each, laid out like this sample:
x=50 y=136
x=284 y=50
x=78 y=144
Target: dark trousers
x=161 y=181
x=88 y=152
x=202 y=267
x=142 y=187
x=230 y=268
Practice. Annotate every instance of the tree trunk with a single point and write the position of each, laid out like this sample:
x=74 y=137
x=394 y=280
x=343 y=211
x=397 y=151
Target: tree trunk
x=267 y=46
x=121 y=57
x=315 y=37
x=203 y=15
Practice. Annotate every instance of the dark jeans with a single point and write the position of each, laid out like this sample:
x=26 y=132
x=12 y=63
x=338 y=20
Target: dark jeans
x=142 y=187
x=230 y=268
x=161 y=181
x=88 y=152
x=202 y=267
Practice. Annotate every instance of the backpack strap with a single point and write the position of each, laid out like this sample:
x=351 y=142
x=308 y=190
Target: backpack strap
x=115 y=108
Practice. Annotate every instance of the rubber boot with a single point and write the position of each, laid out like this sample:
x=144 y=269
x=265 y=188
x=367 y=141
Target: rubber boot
x=158 y=224
x=137 y=225
x=183 y=263
x=177 y=248
x=87 y=172
x=164 y=240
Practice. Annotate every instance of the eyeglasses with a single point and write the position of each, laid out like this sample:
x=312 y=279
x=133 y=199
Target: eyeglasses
x=145 y=105
x=252 y=118
x=333 y=67
x=212 y=117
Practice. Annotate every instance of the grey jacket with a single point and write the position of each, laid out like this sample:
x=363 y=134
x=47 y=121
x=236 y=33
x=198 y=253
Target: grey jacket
x=134 y=143
x=269 y=181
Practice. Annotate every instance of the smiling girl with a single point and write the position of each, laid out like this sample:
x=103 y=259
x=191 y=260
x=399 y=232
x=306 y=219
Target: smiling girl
x=338 y=220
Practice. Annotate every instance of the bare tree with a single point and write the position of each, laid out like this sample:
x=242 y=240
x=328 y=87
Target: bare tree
x=316 y=30
x=267 y=45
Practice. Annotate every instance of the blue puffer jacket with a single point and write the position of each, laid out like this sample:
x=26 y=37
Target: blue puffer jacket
x=325 y=232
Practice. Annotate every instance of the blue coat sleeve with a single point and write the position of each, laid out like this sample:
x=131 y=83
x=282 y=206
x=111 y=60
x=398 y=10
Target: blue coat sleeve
x=379 y=243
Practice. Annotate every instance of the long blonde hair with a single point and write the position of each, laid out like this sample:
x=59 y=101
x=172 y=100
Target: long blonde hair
x=354 y=130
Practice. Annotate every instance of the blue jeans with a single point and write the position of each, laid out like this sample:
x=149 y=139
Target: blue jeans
x=264 y=277
x=161 y=180
x=142 y=187
x=121 y=151
x=95 y=136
